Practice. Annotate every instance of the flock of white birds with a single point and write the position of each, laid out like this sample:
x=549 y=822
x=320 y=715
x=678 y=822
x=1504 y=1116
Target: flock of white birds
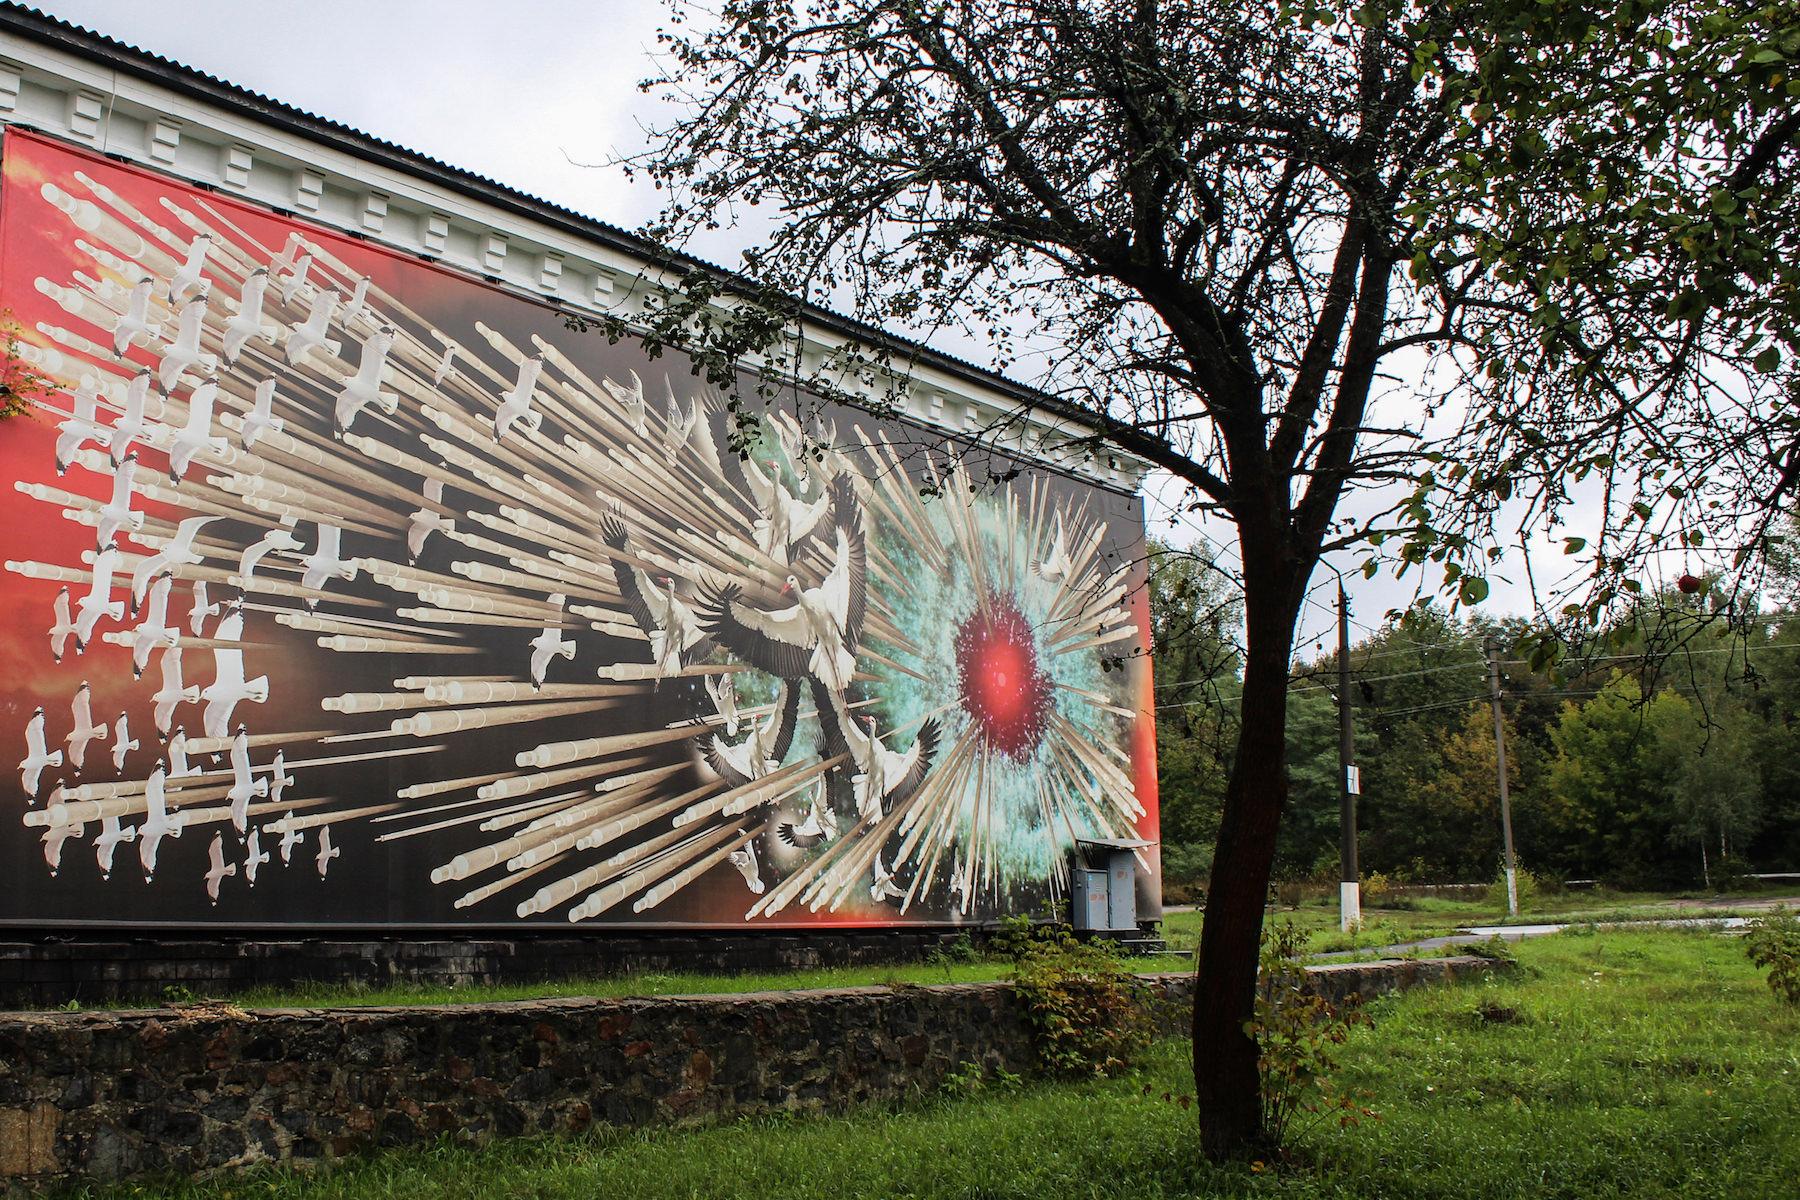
x=296 y=463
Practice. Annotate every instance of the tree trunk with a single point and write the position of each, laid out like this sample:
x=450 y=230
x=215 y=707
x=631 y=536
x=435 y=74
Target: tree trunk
x=1226 y=1081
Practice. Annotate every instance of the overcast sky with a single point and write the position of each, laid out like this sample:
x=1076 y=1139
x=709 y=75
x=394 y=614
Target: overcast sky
x=525 y=92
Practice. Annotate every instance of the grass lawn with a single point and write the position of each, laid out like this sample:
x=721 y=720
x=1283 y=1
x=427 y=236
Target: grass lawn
x=1626 y=1064
x=1431 y=917
x=335 y=995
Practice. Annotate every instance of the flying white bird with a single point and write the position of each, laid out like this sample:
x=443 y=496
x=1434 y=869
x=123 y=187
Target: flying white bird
x=111 y=834
x=171 y=693
x=325 y=562
x=1056 y=564
x=176 y=753
x=153 y=632
x=85 y=730
x=693 y=430
x=123 y=742
x=200 y=609
x=885 y=777
x=229 y=688
x=184 y=353
x=197 y=435
x=288 y=255
x=117 y=513
x=446 y=363
x=98 y=602
x=248 y=323
x=637 y=409
x=327 y=851
x=260 y=421
x=255 y=552
x=254 y=857
x=159 y=822
x=63 y=627
x=675 y=635
x=820 y=824
x=679 y=427
x=217 y=868
x=134 y=324
x=309 y=335
x=295 y=277
x=81 y=426
x=357 y=305
x=678 y=632
x=364 y=388
x=722 y=689
x=242 y=785
x=280 y=778
x=190 y=278
x=54 y=837
x=883 y=887
x=37 y=755
x=515 y=406
x=290 y=837
x=817 y=634
x=426 y=521
x=959 y=888
x=548 y=645
x=131 y=425
x=175 y=553
x=744 y=859
x=786 y=518
x=761 y=752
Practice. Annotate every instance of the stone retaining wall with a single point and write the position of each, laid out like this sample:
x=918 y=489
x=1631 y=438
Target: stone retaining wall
x=107 y=1095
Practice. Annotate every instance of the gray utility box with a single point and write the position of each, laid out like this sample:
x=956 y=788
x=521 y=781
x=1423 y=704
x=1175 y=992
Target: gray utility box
x=1103 y=884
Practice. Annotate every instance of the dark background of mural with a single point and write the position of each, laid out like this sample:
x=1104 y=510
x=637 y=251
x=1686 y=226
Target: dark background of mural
x=372 y=884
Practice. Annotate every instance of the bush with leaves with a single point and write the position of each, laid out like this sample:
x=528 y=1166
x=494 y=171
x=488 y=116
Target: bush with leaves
x=1089 y=1014
x=20 y=385
x=1297 y=1034
x=1773 y=943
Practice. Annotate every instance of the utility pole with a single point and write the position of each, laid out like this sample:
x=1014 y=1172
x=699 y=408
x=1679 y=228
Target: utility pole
x=1350 y=887
x=1512 y=866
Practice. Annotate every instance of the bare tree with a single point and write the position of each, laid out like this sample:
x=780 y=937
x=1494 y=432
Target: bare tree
x=1193 y=223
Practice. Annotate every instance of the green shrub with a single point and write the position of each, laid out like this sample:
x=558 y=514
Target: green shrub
x=1185 y=869
x=957 y=951
x=1773 y=943
x=1531 y=887
x=1089 y=1014
x=1297 y=1034
x=1377 y=889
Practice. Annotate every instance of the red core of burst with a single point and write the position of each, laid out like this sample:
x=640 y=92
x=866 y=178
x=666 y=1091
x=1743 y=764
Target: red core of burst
x=1002 y=686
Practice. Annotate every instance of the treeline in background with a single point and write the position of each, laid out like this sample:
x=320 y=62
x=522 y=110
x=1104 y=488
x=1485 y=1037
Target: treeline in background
x=1667 y=757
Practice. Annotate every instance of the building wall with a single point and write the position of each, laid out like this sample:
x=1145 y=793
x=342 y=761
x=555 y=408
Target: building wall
x=362 y=593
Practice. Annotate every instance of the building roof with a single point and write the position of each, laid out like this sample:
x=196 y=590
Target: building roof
x=33 y=24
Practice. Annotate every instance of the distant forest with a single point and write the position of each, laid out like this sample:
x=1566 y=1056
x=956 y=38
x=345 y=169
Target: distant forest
x=1670 y=758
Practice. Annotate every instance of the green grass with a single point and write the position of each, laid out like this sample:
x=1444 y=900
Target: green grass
x=323 y=995
x=1632 y=1064
x=1429 y=917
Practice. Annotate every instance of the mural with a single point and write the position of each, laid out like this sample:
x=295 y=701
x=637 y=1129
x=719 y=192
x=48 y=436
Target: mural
x=346 y=590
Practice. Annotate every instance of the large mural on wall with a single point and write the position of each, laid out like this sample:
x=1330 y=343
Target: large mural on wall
x=343 y=589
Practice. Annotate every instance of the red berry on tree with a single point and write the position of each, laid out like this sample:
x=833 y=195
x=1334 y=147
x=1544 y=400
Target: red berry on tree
x=1689 y=584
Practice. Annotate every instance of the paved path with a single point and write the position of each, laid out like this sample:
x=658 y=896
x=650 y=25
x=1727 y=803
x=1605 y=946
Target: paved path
x=1518 y=933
